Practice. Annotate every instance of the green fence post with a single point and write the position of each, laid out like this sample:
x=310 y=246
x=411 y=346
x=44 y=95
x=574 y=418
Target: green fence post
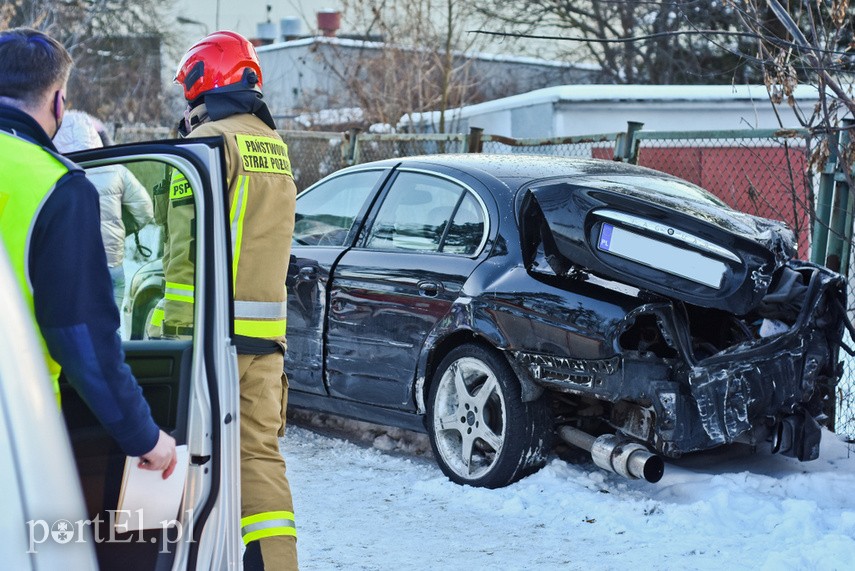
x=629 y=152
x=825 y=193
x=838 y=216
x=620 y=142
x=848 y=124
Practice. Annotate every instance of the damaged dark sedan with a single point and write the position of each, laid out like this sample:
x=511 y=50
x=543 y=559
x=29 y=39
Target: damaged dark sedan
x=499 y=302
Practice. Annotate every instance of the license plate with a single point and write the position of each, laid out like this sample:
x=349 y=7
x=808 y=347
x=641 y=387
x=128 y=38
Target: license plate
x=661 y=256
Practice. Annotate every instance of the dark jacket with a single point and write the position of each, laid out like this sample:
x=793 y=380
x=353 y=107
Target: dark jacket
x=73 y=298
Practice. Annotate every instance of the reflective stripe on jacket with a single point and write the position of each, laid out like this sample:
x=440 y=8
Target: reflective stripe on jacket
x=29 y=174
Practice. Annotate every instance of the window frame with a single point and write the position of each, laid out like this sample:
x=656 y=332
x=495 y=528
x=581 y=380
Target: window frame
x=367 y=204
x=467 y=189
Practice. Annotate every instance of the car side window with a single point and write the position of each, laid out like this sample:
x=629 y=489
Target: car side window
x=467 y=228
x=415 y=214
x=325 y=213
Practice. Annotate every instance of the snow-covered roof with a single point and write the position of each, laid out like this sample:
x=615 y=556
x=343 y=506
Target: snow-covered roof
x=365 y=44
x=330 y=117
x=615 y=93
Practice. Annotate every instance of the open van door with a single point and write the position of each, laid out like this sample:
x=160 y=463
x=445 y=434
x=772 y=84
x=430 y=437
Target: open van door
x=191 y=384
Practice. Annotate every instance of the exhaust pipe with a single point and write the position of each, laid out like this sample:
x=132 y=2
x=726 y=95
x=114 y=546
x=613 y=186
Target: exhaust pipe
x=629 y=459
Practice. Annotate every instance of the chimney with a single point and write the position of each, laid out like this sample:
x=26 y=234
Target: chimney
x=329 y=21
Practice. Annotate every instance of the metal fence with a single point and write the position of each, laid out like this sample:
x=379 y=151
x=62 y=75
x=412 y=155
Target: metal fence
x=759 y=172
x=763 y=172
x=594 y=146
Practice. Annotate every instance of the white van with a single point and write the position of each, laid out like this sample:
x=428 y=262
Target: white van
x=60 y=477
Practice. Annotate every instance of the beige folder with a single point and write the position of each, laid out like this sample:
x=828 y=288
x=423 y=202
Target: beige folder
x=146 y=500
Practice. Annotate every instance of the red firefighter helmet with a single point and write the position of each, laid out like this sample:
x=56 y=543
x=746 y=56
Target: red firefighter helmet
x=218 y=60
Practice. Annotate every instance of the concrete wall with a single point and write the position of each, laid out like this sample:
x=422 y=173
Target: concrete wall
x=293 y=77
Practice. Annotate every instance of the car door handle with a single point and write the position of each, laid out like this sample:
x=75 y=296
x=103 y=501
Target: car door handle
x=429 y=289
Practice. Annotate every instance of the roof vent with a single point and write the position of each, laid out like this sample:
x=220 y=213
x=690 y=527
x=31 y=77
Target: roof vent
x=266 y=31
x=329 y=21
x=290 y=28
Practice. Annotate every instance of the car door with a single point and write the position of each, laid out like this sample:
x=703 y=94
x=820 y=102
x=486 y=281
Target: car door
x=327 y=220
x=390 y=290
x=190 y=384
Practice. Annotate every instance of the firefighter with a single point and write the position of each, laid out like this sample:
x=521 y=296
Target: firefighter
x=221 y=79
x=50 y=226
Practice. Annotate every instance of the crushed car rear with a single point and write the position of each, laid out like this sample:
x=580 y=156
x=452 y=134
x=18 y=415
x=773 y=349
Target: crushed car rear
x=712 y=332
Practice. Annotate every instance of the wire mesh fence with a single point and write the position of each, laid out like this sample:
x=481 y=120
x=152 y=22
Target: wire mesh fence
x=372 y=147
x=595 y=146
x=314 y=155
x=764 y=175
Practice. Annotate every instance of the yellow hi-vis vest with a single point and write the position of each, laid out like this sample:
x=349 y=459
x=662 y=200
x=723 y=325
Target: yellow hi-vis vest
x=29 y=174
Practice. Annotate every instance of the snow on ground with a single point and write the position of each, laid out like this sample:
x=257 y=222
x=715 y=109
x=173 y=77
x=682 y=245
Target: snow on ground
x=372 y=498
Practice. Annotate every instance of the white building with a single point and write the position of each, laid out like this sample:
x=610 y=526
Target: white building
x=312 y=74
x=570 y=110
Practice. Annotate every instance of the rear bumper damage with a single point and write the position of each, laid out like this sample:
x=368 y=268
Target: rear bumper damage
x=672 y=390
x=783 y=383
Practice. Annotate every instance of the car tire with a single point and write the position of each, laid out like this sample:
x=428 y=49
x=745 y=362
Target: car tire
x=485 y=439
x=142 y=315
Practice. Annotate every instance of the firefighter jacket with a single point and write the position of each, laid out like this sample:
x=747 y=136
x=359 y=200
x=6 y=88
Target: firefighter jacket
x=261 y=198
x=49 y=225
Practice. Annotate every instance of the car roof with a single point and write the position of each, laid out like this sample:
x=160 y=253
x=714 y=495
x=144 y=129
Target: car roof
x=529 y=167
x=518 y=170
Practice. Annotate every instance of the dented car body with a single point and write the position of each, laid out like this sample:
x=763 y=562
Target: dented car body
x=494 y=300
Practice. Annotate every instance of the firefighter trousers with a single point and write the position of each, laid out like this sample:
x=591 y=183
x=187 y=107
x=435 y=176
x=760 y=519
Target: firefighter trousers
x=267 y=510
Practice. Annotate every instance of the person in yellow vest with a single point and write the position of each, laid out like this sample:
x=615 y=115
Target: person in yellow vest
x=49 y=223
x=221 y=80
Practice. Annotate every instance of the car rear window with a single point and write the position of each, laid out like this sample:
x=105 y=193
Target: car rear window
x=657 y=186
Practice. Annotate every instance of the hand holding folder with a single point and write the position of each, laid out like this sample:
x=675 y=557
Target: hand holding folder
x=146 y=500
